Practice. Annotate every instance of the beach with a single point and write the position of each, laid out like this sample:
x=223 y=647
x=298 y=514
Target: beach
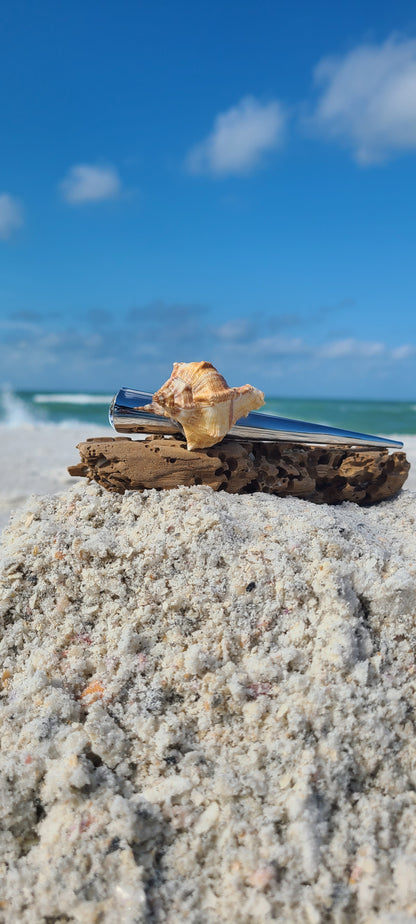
x=34 y=460
x=208 y=701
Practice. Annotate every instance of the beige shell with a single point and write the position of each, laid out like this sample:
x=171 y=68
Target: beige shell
x=199 y=398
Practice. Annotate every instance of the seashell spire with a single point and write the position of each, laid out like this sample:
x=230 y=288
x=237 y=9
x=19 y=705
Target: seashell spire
x=198 y=397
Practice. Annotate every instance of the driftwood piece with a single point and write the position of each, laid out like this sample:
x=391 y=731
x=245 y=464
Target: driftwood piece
x=322 y=474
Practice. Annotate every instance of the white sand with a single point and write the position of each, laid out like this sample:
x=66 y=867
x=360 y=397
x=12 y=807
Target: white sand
x=207 y=702
x=208 y=710
x=34 y=461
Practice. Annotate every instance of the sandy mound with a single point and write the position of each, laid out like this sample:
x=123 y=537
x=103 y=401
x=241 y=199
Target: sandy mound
x=208 y=710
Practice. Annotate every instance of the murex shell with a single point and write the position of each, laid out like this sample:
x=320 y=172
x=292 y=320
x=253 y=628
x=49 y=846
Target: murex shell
x=199 y=398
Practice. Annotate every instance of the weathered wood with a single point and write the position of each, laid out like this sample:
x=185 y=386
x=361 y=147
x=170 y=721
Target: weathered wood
x=322 y=474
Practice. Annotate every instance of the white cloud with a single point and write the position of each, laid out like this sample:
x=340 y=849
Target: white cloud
x=89 y=183
x=403 y=352
x=11 y=215
x=292 y=348
x=239 y=139
x=38 y=351
x=351 y=347
x=368 y=99
x=237 y=330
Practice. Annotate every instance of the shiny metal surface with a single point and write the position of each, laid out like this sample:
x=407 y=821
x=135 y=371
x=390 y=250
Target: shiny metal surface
x=125 y=417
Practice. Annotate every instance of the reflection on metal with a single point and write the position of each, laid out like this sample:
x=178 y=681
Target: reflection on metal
x=125 y=417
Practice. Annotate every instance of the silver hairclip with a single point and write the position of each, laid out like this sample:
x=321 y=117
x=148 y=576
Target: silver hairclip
x=126 y=416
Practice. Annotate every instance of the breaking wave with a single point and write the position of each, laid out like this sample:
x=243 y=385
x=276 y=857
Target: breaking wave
x=72 y=399
x=34 y=409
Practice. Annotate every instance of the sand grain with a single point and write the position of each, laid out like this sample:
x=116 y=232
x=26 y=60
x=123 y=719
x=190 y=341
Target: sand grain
x=208 y=710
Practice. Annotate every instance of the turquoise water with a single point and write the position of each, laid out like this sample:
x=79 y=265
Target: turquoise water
x=382 y=417
x=42 y=408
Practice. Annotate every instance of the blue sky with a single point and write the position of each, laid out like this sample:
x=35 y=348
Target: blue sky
x=226 y=181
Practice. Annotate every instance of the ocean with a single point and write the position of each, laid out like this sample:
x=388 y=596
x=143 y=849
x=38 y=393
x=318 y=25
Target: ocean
x=36 y=408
